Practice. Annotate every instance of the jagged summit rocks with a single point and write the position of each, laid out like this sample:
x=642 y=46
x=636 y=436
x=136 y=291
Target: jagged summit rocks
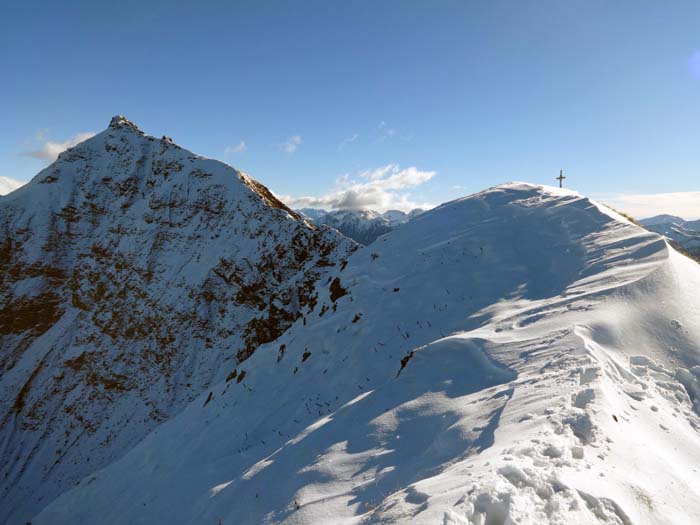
x=133 y=274
x=120 y=122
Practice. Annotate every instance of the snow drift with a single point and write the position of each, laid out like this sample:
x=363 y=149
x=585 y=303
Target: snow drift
x=522 y=355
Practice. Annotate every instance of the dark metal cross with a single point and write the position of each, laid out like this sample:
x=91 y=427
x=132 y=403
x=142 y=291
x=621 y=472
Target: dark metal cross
x=560 y=178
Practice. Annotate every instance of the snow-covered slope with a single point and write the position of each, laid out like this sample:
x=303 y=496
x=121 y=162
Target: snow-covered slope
x=522 y=355
x=133 y=274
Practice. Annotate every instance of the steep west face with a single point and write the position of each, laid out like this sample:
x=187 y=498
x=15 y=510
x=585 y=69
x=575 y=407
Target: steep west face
x=133 y=274
x=522 y=355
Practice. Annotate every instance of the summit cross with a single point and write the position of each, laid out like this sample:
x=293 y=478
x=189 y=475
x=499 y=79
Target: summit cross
x=561 y=178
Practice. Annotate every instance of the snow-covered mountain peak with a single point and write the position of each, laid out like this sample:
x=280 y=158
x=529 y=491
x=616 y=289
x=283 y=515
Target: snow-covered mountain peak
x=133 y=274
x=122 y=154
x=502 y=201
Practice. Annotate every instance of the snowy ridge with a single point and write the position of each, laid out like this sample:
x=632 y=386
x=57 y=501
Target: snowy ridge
x=522 y=355
x=133 y=274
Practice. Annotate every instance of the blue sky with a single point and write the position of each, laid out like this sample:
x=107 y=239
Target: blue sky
x=400 y=102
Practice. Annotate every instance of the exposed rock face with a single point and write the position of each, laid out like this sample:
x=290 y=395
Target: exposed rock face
x=133 y=274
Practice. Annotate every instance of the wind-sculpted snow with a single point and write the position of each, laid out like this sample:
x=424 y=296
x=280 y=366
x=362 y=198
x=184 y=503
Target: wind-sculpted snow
x=522 y=355
x=133 y=274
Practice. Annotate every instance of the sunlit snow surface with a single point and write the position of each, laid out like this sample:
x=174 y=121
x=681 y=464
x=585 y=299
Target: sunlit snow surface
x=551 y=370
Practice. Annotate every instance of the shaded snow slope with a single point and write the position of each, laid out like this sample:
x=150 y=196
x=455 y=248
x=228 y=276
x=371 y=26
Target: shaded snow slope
x=133 y=274
x=522 y=355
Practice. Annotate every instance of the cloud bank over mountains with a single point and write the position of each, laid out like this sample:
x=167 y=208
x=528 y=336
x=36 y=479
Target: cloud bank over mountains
x=381 y=189
x=683 y=203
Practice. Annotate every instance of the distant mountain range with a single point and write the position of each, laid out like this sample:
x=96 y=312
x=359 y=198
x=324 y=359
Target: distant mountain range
x=683 y=234
x=363 y=226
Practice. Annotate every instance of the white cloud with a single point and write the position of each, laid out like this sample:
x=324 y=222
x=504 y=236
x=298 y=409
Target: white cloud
x=291 y=145
x=349 y=140
x=379 y=189
x=685 y=204
x=51 y=149
x=7 y=185
x=238 y=148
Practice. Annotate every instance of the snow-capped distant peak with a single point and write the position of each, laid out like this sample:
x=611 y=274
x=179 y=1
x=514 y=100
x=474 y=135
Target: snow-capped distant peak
x=395 y=217
x=361 y=225
x=312 y=213
x=661 y=219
